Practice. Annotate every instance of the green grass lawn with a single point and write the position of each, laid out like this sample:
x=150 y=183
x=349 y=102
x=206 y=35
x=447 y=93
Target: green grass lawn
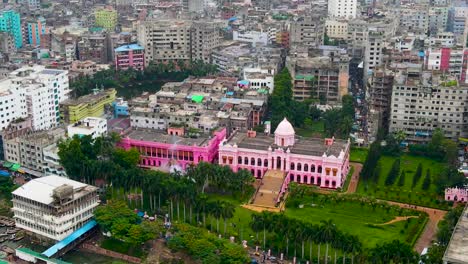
x=316 y=130
x=359 y=219
x=405 y=193
x=358 y=154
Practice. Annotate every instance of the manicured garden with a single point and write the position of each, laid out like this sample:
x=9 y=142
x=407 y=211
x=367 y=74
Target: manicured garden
x=359 y=216
x=417 y=191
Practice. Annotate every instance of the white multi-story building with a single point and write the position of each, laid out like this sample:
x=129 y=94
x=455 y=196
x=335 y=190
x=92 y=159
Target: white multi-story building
x=260 y=78
x=12 y=103
x=33 y=91
x=51 y=162
x=342 y=8
x=53 y=206
x=423 y=101
x=251 y=37
x=337 y=29
x=89 y=126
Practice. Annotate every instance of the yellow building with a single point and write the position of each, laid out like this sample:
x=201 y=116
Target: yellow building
x=73 y=110
x=106 y=18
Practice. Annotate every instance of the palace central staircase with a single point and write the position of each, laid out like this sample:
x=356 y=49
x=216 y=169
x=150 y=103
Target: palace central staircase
x=268 y=192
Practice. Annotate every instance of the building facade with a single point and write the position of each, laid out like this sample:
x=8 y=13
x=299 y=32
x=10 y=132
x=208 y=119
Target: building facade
x=10 y=22
x=130 y=56
x=324 y=163
x=73 y=110
x=35 y=30
x=106 y=18
x=307 y=31
x=53 y=206
x=165 y=40
x=38 y=92
x=173 y=150
x=423 y=101
x=342 y=8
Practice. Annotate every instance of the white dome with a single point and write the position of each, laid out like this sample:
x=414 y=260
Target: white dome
x=285 y=128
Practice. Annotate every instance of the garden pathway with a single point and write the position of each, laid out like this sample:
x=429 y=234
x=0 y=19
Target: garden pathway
x=435 y=215
x=354 y=178
x=398 y=219
x=430 y=230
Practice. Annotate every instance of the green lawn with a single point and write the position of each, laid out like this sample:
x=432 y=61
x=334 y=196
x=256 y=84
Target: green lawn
x=316 y=130
x=359 y=219
x=405 y=193
x=358 y=154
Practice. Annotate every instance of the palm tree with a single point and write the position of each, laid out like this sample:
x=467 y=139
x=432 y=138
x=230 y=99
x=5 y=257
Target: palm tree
x=227 y=211
x=328 y=232
x=216 y=210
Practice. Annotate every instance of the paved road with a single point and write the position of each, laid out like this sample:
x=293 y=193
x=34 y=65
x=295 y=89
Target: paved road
x=354 y=178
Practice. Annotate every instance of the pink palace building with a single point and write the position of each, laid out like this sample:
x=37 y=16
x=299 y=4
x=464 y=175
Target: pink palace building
x=321 y=162
x=172 y=150
x=456 y=194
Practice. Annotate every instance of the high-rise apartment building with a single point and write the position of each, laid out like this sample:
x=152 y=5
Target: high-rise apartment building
x=36 y=92
x=10 y=22
x=423 y=101
x=321 y=77
x=35 y=30
x=307 y=31
x=379 y=87
x=165 y=40
x=342 y=8
x=205 y=37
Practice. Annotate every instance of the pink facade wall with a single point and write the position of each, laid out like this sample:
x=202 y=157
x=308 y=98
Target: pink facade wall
x=326 y=172
x=158 y=154
x=445 y=59
x=456 y=194
x=134 y=61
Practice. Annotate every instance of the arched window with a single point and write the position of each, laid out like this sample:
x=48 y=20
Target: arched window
x=312 y=168
x=259 y=173
x=291 y=178
x=299 y=167
x=292 y=165
x=259 y=162
x=306 y=167
x=319 y=170
x=246 y=161
x=265 y=162
x=333 y=184
x=252 y=161
x=298 y=178
x=253 y=172
x=239 y=160
x=306 y=180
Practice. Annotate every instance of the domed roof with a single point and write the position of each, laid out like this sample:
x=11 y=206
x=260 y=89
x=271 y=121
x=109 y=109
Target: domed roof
x=285 y=128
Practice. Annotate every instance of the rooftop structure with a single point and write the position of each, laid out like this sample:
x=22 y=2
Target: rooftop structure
x=89 y=126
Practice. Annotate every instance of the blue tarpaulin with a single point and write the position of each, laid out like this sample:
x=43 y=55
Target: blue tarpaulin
x=4 y=173
x=69 y=239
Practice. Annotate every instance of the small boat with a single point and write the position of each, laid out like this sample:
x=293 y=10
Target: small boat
x=12 y=237
x=18 y=238
x=11 y=231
